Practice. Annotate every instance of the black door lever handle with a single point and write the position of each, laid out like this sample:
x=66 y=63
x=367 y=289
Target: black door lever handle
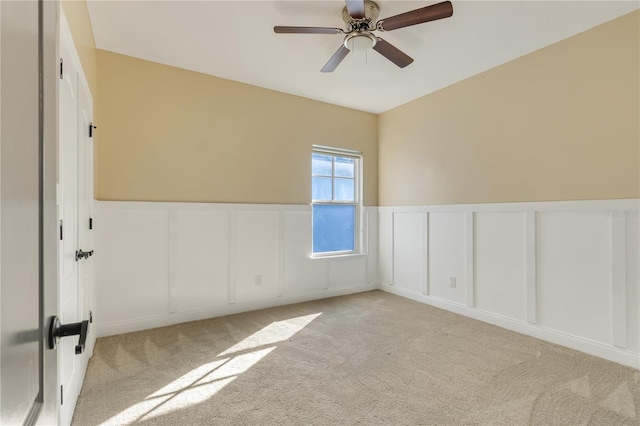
x=57 y=331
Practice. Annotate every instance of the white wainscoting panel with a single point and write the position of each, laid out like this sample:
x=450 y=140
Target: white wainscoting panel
x=408 y=250
x=371 y=244
x=198 y=260
x=164 y=263
x=574 y=273
x=633 y=281
x=619 y=281
x=347 y=272
x=530 y=280
x=301 y=273
x=447 y=255
x=564 y=271
x=385 y=247
x=500 y=263
x=132 y=264
x=256 y=256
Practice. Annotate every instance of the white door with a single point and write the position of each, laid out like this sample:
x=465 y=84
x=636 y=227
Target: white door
x=85 y=210
x=74 y=203
x=68 y=185
x=28 y=226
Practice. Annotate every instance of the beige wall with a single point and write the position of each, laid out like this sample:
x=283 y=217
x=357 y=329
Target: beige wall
x=561 y=123
x=558 y=124
x=77 y=16
x=168 y=134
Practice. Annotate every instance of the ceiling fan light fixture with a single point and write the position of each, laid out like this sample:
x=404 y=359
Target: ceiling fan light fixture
x=360 y=42
x=360 y=18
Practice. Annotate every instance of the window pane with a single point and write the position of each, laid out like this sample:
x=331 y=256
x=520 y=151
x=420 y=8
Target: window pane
x=344 y=167
x=344 y=190
x=333 y=228
x=321 y=189
x=320 y=164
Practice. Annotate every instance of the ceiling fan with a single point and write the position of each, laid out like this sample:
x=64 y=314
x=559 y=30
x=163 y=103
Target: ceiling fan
x=360 y=19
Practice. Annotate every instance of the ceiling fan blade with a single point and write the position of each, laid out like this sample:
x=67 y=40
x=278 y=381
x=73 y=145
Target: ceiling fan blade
x=355 y=8
x=418 y=16
x=336 y=59
x=306 y=30
x=392 y=53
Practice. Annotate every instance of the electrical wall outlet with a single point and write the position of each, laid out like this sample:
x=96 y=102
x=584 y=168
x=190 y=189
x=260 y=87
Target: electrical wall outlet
x=452 y=282
x=258 y=280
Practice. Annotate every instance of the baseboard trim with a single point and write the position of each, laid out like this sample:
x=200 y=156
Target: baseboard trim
x=590 y=347
x=122 y=327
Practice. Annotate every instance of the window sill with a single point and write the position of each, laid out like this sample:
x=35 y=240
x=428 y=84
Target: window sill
x=338 y=256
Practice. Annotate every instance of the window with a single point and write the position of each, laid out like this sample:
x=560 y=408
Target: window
x=335 y=193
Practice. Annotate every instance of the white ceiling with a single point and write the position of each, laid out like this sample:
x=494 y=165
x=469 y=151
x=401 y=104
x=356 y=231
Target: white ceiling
x=235 y=40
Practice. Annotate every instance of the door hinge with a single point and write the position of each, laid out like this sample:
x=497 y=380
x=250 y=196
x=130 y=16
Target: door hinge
x=61 y=69
x=60 y=229
x=61 y=395
x=90 y=223
x=91 y=127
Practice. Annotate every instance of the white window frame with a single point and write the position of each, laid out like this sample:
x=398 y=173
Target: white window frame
x=357 y=203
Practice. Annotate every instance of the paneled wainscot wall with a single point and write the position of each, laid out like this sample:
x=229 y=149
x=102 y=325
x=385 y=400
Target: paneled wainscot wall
x=566 y=272
x=166 y=263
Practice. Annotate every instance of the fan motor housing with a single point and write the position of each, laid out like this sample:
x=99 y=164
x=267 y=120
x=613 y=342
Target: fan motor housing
x=371 y=12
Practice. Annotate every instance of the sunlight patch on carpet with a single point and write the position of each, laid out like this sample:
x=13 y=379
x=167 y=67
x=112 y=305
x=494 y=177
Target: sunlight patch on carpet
x=203 y=382
x=275 y=332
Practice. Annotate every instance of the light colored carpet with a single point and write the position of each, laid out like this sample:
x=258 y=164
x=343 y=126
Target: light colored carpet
x=369 y=358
